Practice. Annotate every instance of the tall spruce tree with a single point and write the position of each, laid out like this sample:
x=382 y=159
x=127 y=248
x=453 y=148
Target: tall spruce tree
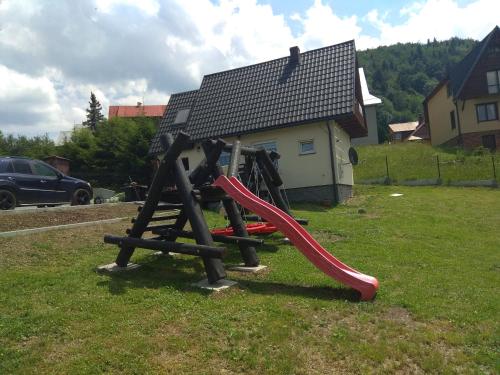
x=94 y=115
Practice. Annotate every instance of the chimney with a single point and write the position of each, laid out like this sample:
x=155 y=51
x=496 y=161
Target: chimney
x=295 y=55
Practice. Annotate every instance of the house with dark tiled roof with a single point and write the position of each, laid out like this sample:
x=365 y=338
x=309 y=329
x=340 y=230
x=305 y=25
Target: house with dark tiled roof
x=463 y=108
x=306 y=106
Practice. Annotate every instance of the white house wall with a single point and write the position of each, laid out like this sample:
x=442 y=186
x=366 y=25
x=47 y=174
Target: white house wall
x=299 y=171
x=371 y=123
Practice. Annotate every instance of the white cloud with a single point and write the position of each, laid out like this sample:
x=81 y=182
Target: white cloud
x=28 y=103
x=149 y=7
x=322 y=27
x=440 y=19
x=53 y=54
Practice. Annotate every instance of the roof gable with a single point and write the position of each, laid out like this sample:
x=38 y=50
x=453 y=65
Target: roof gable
x=461 y=72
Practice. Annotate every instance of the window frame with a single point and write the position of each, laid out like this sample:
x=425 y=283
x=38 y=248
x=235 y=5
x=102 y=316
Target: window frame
x=224 y=155
x=182 y=116
x=306 y=141
x=22 y=161
x=485 y=105
x=9 y=167
x=496 y=84
x=35 y=163
x=453 y=120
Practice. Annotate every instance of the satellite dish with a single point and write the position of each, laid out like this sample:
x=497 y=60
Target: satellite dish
x=353 y=156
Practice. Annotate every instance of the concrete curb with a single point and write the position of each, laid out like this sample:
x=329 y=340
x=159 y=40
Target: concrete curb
x=32 y=209
x=22 y=232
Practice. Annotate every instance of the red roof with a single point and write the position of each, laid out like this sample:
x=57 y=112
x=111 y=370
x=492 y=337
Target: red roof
x=136 y=110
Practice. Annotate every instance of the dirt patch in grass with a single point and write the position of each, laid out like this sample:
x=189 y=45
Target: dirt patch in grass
x=44 y=218
x=323 y=236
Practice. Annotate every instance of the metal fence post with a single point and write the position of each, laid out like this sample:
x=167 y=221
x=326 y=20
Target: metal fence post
x=438 y=167
x=387 y=167
x=494 y=169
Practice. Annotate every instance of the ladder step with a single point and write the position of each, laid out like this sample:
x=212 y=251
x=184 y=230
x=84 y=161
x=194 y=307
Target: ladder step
x=159 y=218
x=152 y=227
x=210 y=194
x=177 y=247
x=258 y=218
x=216 y=237
x=165 y=207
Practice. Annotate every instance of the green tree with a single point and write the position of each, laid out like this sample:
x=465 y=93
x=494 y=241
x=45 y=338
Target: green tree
x=94 y=115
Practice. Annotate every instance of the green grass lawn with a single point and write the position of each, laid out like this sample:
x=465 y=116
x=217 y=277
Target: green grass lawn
x=411 y=161
x=435 y=252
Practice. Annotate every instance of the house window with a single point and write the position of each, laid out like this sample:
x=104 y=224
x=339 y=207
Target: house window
x=182 y=116
x=493 y=79
x=489 y=141
x=306 y=147
x=449 y=91
x=224 y=158
x=268 y=146
x=452 y=120
x=486 y=112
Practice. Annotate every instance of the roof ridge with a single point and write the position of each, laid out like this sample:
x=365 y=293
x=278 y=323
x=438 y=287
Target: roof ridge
x=276 y=59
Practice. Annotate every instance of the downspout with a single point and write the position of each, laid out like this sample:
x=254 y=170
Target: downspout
x=460 y=141
x=332 y=163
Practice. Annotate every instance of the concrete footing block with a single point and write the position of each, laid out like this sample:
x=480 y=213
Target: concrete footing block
x=115 y=268
x=217 y=286
x=162 y=254
x=243 y=268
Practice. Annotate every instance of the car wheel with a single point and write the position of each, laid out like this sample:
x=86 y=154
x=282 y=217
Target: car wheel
x=7 y=200
x=80 y=197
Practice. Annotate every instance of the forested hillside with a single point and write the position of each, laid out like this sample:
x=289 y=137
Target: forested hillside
x=402 y=75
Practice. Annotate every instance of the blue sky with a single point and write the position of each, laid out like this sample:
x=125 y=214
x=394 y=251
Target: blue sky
x=391 y=9
x=53 y=53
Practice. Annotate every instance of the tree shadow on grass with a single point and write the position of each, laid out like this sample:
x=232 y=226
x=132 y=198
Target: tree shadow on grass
x=180 y=273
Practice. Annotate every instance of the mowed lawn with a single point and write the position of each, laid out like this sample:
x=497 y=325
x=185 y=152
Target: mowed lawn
x=435 y=251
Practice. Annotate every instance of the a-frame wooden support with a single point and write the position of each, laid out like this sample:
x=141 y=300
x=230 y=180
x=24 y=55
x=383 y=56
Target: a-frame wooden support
x=171 y=170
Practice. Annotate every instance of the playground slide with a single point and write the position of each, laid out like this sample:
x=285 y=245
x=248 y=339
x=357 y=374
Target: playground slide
x=312 y=250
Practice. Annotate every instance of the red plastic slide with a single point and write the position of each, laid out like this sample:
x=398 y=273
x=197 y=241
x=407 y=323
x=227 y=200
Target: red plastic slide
x=253 y=228
x=312 y=250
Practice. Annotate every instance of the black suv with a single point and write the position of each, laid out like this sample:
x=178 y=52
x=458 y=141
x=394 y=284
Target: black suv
x=25 y=181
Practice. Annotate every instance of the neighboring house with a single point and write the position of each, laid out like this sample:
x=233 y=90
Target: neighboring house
x=307 y=106
x=152 y=111
x=421 y=132
x=370 y=103
x=402 y=131
x=463 y=109
x=58 y=162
